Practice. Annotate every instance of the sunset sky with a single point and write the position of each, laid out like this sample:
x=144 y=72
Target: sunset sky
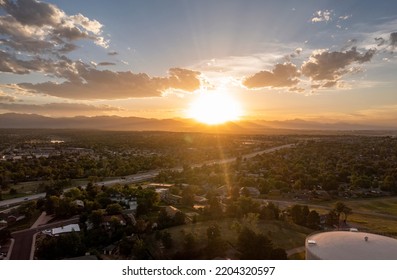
x=315 y=60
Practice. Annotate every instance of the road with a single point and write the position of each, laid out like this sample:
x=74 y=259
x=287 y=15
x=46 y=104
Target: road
x=24 y=239
x=141 y=177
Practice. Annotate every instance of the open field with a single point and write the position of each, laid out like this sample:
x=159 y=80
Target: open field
x=282 y=234
x=385 y=205
x=374 y=224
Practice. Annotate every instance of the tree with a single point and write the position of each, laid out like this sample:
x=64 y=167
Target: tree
x=52 y=203
x=139 y=249
x=64 y=246
x=247 y=205
x=254 y=246
x=114 y=209
x=270 y=212
x=189 y=243
x=96 y=217
x=188 y=196
x=5 y=234
x=389 y=184
x=313 y=220
x=278 y=254
x=215 y=243
x=214 y=209
x=28 y=208
x=340 y=208
x=332 y=218
x=125 y=246
x=166 y=239
x=179 y=218
x=297 y=215
x=147 y=198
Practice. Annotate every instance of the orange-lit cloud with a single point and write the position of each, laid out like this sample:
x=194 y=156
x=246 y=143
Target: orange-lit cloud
x=60 y=109
x=7 y=98
x=283 y=75
x=89 y=84
x=328 y=67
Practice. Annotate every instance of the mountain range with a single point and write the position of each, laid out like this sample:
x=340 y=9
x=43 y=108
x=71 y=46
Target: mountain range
x=117 y=123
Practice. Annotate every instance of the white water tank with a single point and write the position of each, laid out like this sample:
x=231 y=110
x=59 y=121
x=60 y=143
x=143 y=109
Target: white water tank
x=350 y=245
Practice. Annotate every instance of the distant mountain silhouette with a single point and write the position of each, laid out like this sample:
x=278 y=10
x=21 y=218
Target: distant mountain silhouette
x=14 y=120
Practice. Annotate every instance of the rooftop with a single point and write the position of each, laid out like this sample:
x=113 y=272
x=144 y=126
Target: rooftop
x=351 y=245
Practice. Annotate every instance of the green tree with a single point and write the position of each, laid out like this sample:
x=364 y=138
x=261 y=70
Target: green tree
x=254 y=246
x=297 y=215
x=140 y=249
x=340 y=208
x=215 y=244
x=332 y=218
x=167 y=240
x=96 y=217
x=188 y=196
x=114 y=209
x=278 y=254
x=313 y=220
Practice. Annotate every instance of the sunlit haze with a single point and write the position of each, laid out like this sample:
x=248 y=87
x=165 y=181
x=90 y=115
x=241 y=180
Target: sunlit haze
x=214 y=108
x=324 y=61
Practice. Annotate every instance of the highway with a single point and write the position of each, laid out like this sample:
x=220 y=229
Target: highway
x=141 y=177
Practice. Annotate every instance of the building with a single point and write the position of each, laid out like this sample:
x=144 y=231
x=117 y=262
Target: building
x=251 y=191
x=350 y=245
x=65 y=229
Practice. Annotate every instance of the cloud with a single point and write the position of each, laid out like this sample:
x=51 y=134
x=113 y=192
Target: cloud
x=328 y=67
x=61 y=109
x=92 y=84
x=393 y=39
x=105 y=63
x=282 y=75
x=320 y=16
x=345 y=17
x=42 y=28
x=7 y=98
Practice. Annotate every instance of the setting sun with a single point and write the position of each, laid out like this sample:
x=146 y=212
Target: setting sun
x=214 y=108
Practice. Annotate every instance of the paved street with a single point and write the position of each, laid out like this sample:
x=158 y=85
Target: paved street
x=24 y=238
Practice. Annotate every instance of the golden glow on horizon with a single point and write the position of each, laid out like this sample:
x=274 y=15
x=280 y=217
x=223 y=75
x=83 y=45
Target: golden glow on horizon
x=214 y=108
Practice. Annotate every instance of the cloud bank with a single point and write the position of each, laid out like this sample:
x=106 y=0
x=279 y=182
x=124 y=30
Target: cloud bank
x=87 y=83
x=35 y=37
x=61 y=109
x=38 y=27
x=323 y=68
x=329 y=67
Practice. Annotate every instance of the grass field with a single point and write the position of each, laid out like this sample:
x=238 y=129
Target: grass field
x=386 y=205
x=282 y=234
x=374 y=224
x=382 y=205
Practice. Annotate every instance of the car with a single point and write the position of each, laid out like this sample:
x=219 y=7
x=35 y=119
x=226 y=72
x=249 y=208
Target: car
x=26 y=198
